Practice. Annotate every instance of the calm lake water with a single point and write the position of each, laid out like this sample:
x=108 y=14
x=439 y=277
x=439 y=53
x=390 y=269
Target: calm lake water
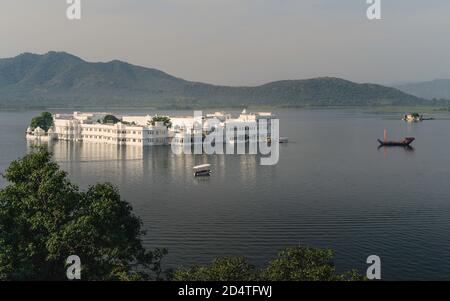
x=331 y=188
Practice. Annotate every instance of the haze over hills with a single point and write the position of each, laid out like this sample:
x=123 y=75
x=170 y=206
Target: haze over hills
x=435 y=89
x=63 y=80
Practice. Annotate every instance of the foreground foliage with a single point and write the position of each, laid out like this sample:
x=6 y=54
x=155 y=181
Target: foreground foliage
x=44 y=218
x=292 y=264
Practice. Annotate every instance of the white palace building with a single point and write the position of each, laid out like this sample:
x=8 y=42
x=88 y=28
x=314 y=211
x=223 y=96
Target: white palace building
x=131 y=130
x=138 y=130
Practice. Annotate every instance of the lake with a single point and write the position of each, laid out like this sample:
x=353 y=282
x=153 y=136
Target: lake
x=331 y=188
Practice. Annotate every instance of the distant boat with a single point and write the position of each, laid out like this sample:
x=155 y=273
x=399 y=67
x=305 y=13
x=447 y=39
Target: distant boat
x=404 y=142
x=414 y=117
x=202 y=170
x=280 y=140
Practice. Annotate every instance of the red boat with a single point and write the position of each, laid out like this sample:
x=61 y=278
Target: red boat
x=404 y=142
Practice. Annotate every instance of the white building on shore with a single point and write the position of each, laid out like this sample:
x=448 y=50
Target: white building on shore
x=39 y=134
x=130 y=130
x=246 y=127
x=138 y=130
x=249 y=127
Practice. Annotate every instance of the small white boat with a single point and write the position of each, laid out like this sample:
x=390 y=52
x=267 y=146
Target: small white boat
x=202 y=170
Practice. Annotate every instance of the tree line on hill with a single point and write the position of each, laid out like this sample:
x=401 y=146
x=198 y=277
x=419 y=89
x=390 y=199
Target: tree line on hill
x=58 y=79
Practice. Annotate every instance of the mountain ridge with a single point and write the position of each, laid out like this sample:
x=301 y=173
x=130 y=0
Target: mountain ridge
x=434 y=89
x=62 y=79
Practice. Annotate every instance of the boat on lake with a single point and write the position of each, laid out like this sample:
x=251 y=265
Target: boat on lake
x=202 y=170
x=414 y=117
x=406 y=141
x=280 y=140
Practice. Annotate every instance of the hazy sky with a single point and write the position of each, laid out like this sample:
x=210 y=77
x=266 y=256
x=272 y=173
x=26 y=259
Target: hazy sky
x=242 y=42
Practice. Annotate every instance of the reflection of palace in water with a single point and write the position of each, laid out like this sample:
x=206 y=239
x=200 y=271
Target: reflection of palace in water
x=103 y=147
x=97 y=159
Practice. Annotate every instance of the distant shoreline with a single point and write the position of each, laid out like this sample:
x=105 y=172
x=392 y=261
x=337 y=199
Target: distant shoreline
x=381 y=109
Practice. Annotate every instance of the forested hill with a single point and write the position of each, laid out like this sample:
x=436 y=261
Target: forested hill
x=435 y=89
x=60 y=79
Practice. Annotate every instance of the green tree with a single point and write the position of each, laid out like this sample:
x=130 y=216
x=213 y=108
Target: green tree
x=110 y=119
x=293 y=264
x=221 y=269
x=305 y=264
x=164 y=119
x=44 y=218
x=44 y=121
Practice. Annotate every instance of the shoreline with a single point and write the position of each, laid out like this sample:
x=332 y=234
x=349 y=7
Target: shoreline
x=372 y=109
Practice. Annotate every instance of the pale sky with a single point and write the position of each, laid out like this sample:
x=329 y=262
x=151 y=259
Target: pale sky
x=242 y=42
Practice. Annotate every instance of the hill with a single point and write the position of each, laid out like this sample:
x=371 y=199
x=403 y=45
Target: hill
x=435 y=89
x=63 y=80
